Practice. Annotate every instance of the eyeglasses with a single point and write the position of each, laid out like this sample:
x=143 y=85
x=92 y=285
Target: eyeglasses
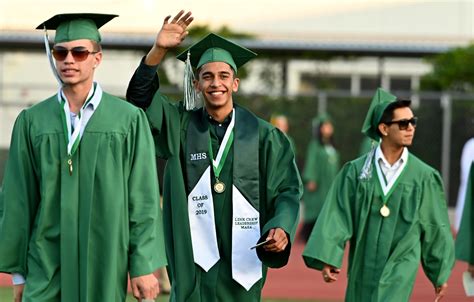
x=403 y=124
x=78 y=53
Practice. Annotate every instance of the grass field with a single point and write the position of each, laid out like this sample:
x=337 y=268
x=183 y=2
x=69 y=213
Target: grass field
x=6 y=295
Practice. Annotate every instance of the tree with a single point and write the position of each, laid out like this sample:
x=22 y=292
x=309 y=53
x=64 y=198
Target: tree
x=197 y=32
x=453 y=70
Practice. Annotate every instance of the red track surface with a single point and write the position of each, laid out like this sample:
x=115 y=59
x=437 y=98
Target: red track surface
x=295 y=281
x=298 y=282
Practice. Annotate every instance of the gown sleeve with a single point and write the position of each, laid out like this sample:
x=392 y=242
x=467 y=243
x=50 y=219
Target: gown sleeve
x=143 y=85
x=19 y=199
x=283 y=193
x=334 y=226
x=164 y=116
x=437 y=246
x=147 y=251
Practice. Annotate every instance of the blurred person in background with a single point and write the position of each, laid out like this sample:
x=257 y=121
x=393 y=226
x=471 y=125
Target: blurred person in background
x=280 y=121
x=321 y=167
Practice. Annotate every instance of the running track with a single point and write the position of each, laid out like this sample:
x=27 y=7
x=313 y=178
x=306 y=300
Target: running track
x=298 y=282
x=295 y=281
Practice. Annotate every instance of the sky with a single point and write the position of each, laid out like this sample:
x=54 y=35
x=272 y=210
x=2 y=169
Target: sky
x=443 y=19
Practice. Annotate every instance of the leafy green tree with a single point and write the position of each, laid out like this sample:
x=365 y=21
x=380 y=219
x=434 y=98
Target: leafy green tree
x=197 y=32
x=453 y=70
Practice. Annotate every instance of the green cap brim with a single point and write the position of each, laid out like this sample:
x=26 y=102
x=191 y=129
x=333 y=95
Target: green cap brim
x=214 y=48
x=379 y=103
x=70 y=27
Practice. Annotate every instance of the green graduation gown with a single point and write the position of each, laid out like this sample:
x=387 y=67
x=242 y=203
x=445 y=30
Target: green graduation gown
x=384 y=253
x=464 y=239
x=75 y=237
x=279 y=192
x=321 y=167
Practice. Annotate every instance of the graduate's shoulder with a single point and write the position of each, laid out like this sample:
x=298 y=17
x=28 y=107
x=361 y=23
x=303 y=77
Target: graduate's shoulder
x=119 y=106
x=41 y=114
x=165 y=100
x=268 y=132
x=264 y=126
x=45 y=105
x=356 y=164
x=265 y=129
x=352 y=169
x=416 y=164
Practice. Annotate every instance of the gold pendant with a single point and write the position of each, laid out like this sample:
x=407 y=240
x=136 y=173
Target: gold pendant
x=69 y=161
x=219 y=186
x=384 y=211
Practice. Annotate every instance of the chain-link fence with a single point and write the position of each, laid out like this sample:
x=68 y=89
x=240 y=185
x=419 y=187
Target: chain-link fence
x=446 y=122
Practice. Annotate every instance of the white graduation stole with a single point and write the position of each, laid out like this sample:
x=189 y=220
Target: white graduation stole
x=202 y=223
x=246 y=267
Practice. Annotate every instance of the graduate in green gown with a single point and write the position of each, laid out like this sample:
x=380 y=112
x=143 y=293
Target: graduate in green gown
x=230 y=179
x=79 y=209
x=465 y=239
x=391 y=208
x=321 y=167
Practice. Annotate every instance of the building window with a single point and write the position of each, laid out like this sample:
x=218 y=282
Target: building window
x=400 y=84
x=311 y=83
x=369 y=83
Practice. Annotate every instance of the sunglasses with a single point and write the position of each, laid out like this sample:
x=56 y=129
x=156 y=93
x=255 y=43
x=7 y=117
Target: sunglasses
x=78 y=53
x=403 y=124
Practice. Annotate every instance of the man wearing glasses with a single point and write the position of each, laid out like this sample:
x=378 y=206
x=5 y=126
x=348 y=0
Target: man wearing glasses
x=391 y=207
x=79 y=210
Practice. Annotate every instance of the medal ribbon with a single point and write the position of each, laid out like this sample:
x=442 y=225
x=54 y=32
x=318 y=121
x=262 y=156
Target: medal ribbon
x=218 y=163
x=383 y=175
x=73 y=139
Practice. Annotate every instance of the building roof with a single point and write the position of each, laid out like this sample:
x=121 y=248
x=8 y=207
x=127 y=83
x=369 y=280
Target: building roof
x=15 y=40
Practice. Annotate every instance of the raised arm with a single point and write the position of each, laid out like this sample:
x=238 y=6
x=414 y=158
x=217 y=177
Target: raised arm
x=144 y=82
x=170 y=36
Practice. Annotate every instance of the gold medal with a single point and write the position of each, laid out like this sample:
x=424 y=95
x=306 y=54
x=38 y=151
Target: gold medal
x=384 y=211
x=219 y=186
x=69 y=162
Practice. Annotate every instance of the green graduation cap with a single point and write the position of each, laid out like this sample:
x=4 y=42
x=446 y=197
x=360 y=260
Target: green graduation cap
x=321 y=118
x=379 y=103
x=70 y=27
x=214 y=48
x=211 y=48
